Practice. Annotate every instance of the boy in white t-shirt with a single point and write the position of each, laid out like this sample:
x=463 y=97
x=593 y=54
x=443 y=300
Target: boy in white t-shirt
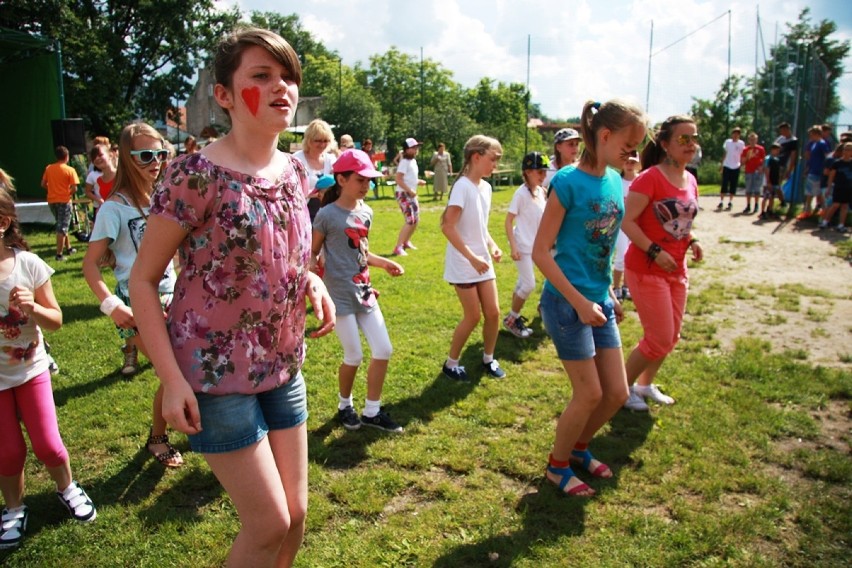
x=731 y=168
x=406 y=195
x=522 y=223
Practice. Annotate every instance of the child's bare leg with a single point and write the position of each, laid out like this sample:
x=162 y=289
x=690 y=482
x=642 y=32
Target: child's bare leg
x=469 y=298
x=12 y=488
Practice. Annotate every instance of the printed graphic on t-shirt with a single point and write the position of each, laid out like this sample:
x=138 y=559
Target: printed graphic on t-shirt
x=676 y=216
x=358 y=240
x=601 y=231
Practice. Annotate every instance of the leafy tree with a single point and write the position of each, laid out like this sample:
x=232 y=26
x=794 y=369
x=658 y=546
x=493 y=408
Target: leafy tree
x=716 y=117
x=407 y=90
x=123 y=58
x=500 y=110
x=290 y=28
x=805 y=66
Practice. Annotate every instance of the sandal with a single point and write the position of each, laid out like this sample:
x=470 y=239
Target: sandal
x=171 y=457
x=584 y=458
x=582 y=490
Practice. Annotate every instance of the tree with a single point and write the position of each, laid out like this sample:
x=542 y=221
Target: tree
x=799 y=82
x=123 y=58
x=501 y=111
x=716 y=117
x=408 y=89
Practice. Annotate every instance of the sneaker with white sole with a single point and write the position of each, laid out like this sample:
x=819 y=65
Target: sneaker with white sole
x=456 y=373
x=493 y=369
x=652 y=392
x=517 y=326
x=78 y=503
x=382 y=421
x=349 y=418
x=399 y=251
x=14 y=525
x=635 y=402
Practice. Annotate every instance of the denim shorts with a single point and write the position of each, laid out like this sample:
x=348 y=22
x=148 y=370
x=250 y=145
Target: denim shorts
x=574 y=340
x=234 y=421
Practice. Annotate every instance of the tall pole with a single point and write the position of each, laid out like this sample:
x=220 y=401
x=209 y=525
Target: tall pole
x=650 y=52
x=728 y=100
x=527 y=118
x=422 y=95
x=755 y=86
x=61 y=83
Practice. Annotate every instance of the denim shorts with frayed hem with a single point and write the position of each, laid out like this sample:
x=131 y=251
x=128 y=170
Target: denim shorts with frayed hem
x=234 y=421
x=574 y=340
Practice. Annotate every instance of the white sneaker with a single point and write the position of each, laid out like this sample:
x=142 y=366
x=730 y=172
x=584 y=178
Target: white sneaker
x=652 y=392
x=635 y=402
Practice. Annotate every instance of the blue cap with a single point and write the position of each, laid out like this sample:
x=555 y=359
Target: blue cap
x=324 y=182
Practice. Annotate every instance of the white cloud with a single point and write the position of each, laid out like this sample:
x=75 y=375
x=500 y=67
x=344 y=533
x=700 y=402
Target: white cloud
x=580 y=49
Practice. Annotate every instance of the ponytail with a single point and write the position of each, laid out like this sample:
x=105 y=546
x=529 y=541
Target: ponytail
x=613 y=115
x=333 y=193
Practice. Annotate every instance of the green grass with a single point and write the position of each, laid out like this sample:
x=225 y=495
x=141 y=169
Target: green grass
x=709 y=481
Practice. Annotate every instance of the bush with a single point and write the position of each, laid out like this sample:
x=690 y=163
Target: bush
x=709 y=172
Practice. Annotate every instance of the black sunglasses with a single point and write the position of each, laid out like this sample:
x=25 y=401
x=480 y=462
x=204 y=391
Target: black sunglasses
x=148 y=156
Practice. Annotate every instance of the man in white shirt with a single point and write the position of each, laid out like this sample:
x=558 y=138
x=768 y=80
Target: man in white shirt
x=731 y=168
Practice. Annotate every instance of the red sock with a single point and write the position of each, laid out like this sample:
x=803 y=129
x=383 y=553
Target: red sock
x=557 y=463
x=580 y=447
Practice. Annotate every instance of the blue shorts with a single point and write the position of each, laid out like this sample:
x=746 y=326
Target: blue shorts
x=574 y=340
x=234 y=421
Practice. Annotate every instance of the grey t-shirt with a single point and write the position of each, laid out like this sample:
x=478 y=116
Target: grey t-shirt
x=347 y=275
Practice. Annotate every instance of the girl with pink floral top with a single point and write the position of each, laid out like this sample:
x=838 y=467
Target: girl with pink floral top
x=230 y=353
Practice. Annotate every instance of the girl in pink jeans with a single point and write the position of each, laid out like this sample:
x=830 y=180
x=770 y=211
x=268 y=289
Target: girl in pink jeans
x=660 y=208
x=27 y=304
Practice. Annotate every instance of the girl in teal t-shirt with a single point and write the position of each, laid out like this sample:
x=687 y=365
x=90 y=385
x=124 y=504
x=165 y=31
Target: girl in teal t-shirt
x=579 y=310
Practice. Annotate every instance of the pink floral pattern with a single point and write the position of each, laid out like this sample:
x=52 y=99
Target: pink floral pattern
x=237 y=323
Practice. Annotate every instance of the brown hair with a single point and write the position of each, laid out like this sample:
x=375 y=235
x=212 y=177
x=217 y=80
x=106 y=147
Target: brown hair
x=613 y=115
x=229 y=53
x=61 y=152
x=654 y=153
x=129 y=178
x=12 y=237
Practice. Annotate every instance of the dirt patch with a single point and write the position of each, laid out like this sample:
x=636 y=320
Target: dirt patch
x=767 y=262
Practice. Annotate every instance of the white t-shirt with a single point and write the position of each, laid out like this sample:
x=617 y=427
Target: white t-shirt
x=472 y=226
x=328 y=160
x=22 y=354
x=733 y=151
x=93 y=177
x=408 y=169
x=528 y=211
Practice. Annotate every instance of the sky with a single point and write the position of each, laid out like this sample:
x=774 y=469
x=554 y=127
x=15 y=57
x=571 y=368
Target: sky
x=578 y=49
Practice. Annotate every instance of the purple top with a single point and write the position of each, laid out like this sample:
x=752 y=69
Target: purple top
x=237 y=323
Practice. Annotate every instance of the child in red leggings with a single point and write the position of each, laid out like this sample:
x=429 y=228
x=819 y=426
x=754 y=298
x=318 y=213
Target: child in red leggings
x=27 y=304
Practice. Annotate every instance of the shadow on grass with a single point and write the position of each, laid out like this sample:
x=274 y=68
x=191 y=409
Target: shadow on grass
x=351 y=449
x=549 y=516
x=76 y=312
x=63 y=394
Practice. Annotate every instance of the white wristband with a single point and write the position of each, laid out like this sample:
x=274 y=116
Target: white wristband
x=110 y=303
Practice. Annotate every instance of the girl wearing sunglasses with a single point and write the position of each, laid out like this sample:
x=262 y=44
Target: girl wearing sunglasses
x=115 y=242
x=660 y=208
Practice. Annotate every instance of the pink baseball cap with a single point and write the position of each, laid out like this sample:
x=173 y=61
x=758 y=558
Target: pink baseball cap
x=411 y=143
x=356 y=161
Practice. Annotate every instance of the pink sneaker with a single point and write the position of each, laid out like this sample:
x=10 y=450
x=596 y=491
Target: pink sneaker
x=399 y=251
x=408 y=245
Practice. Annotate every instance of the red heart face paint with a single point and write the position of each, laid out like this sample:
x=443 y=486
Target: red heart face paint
x=251 y=96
